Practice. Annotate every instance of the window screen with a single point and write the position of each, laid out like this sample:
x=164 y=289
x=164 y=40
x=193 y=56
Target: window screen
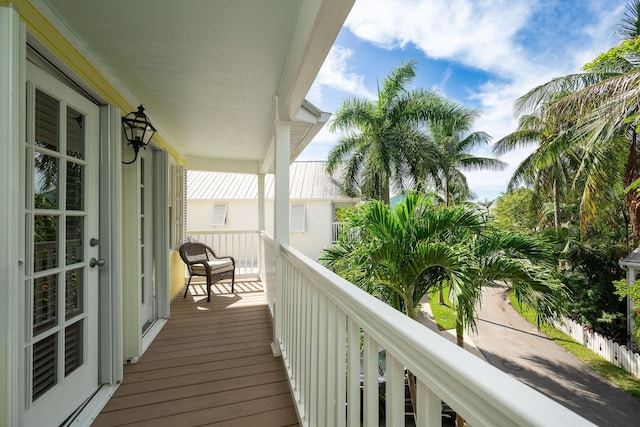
x=218 y=214
x=296 y=218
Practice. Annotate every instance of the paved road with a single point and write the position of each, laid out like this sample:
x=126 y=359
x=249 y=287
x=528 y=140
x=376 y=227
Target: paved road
x=515 y=346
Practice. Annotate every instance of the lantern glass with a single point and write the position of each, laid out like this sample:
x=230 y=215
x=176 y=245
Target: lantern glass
x=138 y=130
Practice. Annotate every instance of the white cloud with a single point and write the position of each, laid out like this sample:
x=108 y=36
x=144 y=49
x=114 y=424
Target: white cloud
x=474 y=33
x=335 y=74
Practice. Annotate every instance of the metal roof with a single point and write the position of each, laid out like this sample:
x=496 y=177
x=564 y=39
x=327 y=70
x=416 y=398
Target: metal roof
x=307 y=180
x=632 y=260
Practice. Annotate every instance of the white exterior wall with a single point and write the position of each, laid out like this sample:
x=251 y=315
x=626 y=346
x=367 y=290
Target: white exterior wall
x=317 y=234
x=243 y=215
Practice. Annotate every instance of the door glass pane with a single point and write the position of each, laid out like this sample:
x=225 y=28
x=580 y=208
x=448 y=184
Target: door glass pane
x=44 y=366
x=45 y=296
x=72 y=347
x=46 y=181
x=45 y=237
x=74 y=293
x=47 y=119
x=75 y=134
x=75 y=186
x=74 y=229
x=141 y=200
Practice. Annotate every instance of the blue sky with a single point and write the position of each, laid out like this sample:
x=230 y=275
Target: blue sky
x=483 y=54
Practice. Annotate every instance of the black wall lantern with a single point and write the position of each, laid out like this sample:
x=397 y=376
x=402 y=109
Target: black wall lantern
x=138 y=130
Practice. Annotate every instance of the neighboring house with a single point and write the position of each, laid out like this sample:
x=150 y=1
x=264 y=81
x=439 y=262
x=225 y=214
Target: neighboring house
x=229 y=202
x=631 y=264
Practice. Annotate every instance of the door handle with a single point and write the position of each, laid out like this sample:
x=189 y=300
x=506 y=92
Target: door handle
x=93 y=262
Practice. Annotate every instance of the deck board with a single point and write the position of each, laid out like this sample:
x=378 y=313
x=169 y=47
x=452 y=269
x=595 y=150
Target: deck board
x=210 y=365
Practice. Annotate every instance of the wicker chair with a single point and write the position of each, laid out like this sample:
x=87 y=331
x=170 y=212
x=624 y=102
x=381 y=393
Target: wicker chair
x=201 y=260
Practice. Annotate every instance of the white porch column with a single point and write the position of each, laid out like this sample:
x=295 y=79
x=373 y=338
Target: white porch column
x=280 y=218
x=261 y=205
x=12 y=259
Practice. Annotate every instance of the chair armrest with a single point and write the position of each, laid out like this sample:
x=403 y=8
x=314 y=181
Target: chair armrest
x=233 y=261
x=205 y=264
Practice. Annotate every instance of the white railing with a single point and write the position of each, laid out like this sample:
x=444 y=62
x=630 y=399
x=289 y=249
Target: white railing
x=619 y=355
x=336 y=229
x=268 y=270
x=321 y=323
x=242 y=245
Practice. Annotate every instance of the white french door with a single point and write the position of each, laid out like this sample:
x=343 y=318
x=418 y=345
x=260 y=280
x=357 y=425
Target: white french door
x=148 y=310
x=60 y=292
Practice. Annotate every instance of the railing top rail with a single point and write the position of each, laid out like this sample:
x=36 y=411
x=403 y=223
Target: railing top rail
x=267 y=238
x=481 y=393
x=223 y=232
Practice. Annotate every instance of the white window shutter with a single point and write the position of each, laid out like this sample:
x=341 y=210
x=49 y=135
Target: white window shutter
x=218 y=214
x=296 y=218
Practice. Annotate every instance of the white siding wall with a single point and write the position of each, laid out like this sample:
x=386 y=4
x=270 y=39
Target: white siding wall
x=317 y=234
x=243 y=215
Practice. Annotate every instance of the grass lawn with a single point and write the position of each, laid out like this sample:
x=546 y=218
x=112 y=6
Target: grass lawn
x=611 y=372
x=444 y=315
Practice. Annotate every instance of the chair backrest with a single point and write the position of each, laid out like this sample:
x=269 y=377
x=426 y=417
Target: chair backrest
x=191 y=252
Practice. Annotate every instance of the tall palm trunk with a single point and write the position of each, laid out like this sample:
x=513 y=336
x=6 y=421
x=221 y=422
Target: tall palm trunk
x=556 y=205
x=446 y=203
x=460 y=341
x=385 y=196
x=632 y=173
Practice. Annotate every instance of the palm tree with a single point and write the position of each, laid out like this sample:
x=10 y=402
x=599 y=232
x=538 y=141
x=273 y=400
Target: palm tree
x=403 y=253
x=602 y=111
x=383 y=140
x=550 y=168
x=454 y=140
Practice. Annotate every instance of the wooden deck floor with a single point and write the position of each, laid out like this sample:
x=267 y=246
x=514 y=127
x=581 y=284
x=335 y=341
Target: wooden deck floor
x=210 y=365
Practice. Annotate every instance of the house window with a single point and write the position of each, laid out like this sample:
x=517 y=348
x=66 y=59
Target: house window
x=296 y=218
x=218 y=214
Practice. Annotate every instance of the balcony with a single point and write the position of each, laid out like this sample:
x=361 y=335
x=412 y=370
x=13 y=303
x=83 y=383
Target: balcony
x=322 y=325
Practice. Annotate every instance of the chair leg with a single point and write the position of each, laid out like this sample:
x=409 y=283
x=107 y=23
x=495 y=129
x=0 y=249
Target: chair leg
x=187 y=288
x=233 y=280
x=209 y=289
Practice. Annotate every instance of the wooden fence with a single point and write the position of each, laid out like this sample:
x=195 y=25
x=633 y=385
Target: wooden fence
x=619 y=355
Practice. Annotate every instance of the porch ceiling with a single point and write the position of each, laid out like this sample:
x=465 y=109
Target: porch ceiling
x=207 y=72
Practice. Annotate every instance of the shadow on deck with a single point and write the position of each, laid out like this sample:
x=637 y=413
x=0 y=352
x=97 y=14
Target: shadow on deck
x=210 y=365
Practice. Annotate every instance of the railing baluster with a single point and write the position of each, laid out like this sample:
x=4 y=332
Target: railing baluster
x=330 y=362
x=353 y=371
x=371 y=385
x=394 y=391
x=305 y=346
x=321 y=355
x=340 y=371
x=429 y=408
x=313 y=377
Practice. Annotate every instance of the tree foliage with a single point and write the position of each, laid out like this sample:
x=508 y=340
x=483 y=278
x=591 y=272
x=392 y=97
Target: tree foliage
x=401 y=254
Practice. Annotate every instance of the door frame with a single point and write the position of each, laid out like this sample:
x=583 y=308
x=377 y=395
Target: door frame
x=135 y=343
x=12 y=161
